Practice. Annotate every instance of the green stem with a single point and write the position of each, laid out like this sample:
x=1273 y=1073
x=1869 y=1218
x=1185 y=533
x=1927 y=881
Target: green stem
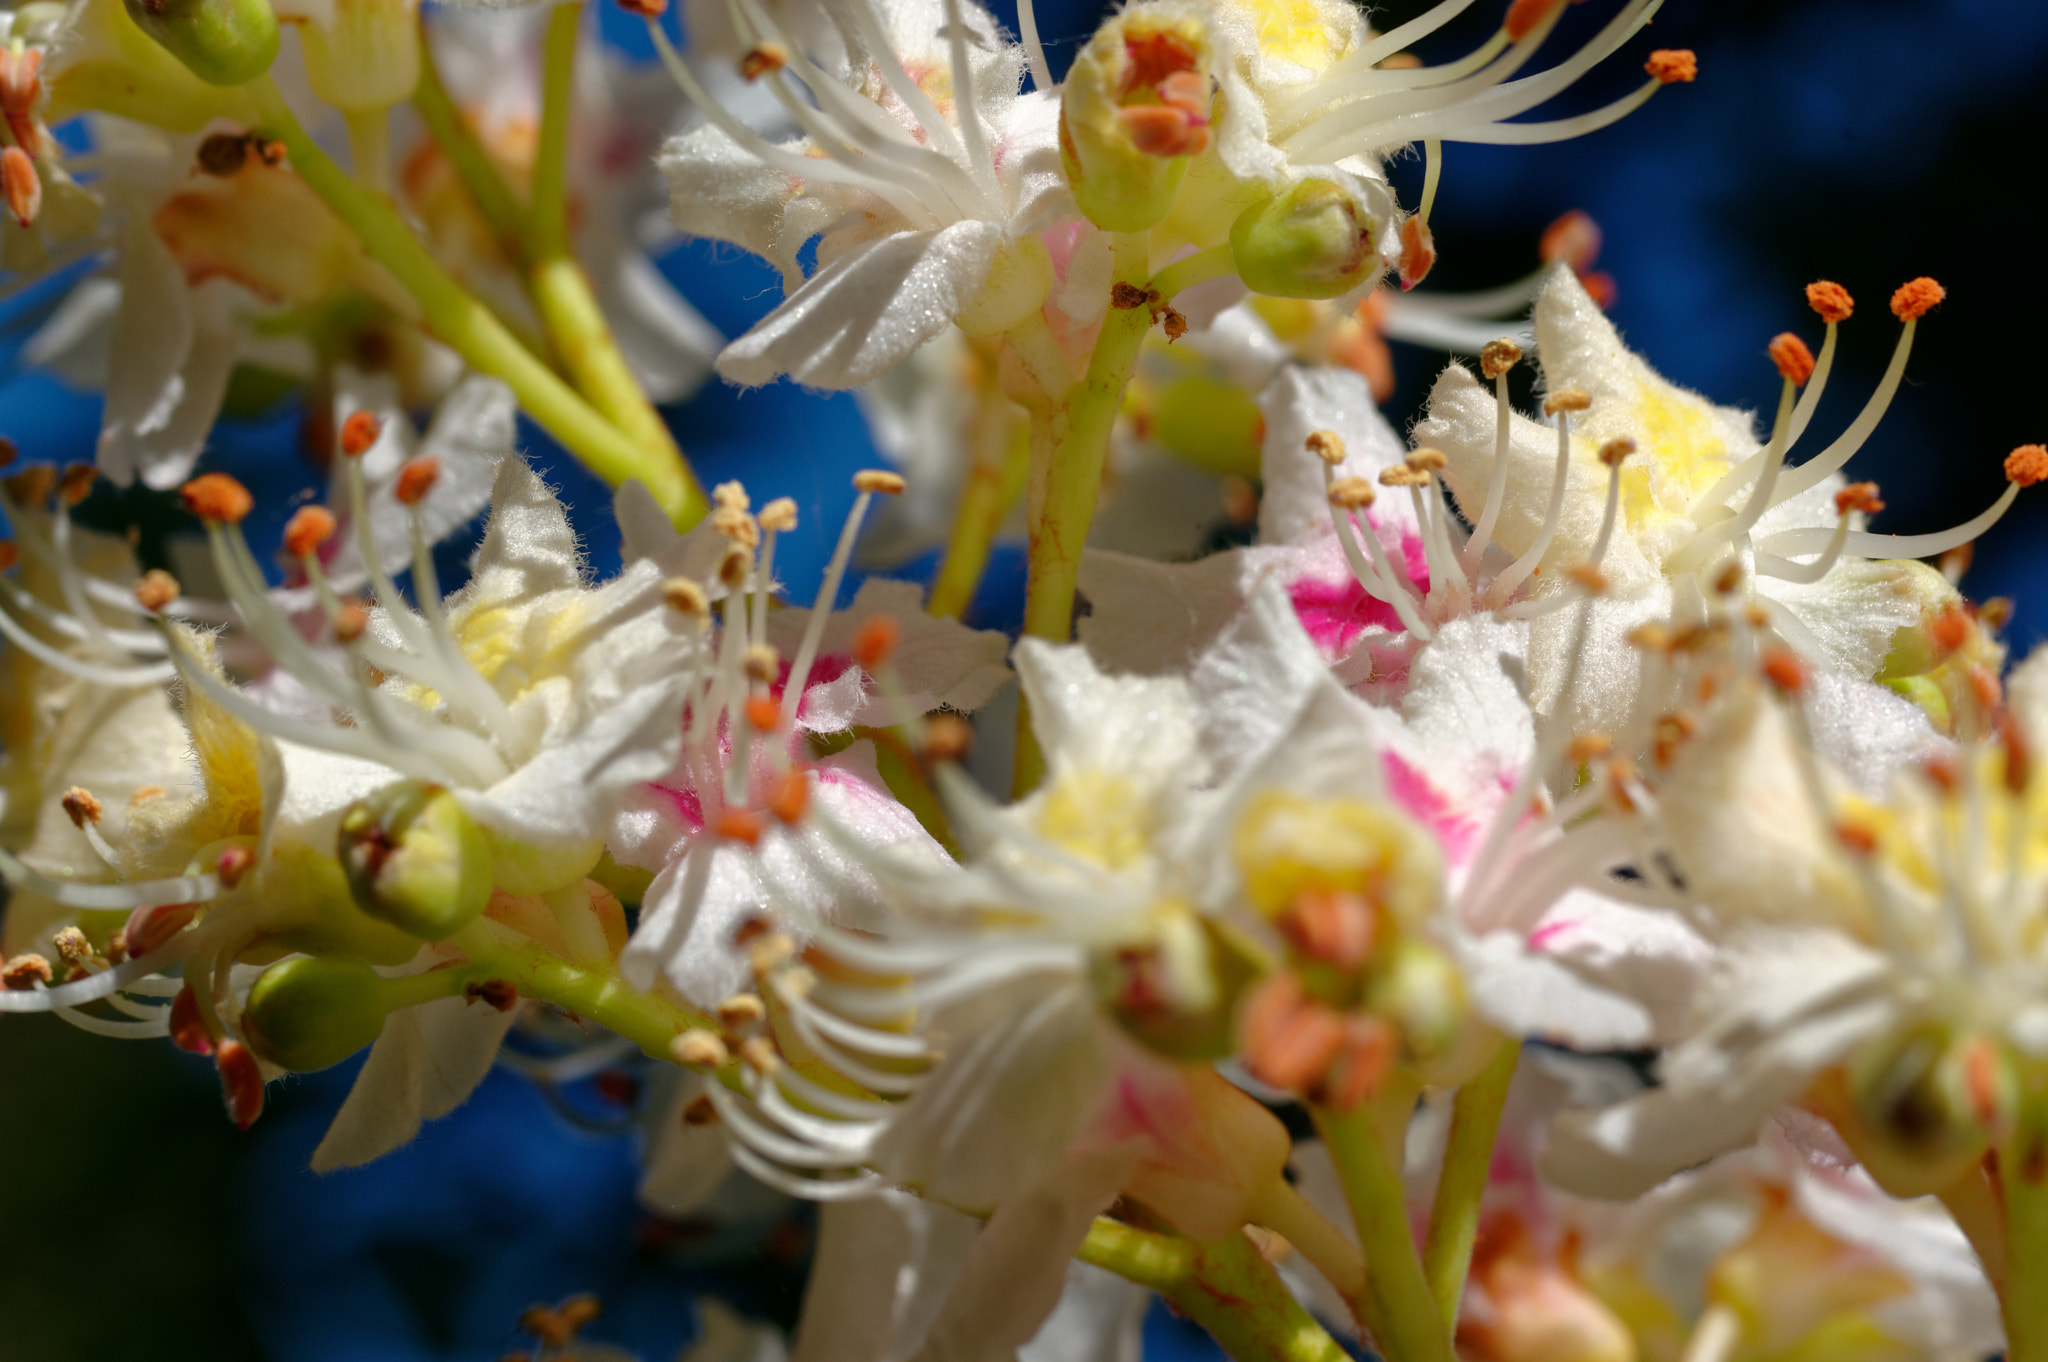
x=576 y=325
x=1002 y=460
x=469 y=328
x=1405 y=1316
x=1198 y=268
x=369 y=148
x=1286 y=1212
x=2023 y=1169
x=1468 y=1158
x=473 y=165
x=548 y=217
x=1225 y=1287
x=1973 y=1203
x=649 y=1020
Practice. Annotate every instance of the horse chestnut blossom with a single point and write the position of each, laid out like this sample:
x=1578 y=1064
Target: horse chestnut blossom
x=1559 y=885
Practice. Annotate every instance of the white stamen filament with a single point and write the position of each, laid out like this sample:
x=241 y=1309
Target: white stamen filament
x=1517 y=572
x=1810 y=473
x=96 y=673
x=814 y=628
x=980 y=160
x=1497 y=483
x=1432 y=174
x=122 y=897
x=1034 y=50
x=1866 y=545
x=1694 y=553
x=1563 y=129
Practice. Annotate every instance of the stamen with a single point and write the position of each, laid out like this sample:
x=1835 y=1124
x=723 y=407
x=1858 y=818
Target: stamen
x=1034 y=50
x=1668 y=66
x=308 y=529
x=1791 y=356
x=360 y=433
x=156 y=590
x=1347 y=495
x=1558 y=404
x=1856 y=497
x=1920 y=293
x=1912 y=300
x=867 y=483
x=2024 y=467
x=1495 y=361
x=218 y=498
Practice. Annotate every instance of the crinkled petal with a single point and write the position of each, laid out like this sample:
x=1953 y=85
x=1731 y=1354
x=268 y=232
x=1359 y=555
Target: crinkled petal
x=427 y=1062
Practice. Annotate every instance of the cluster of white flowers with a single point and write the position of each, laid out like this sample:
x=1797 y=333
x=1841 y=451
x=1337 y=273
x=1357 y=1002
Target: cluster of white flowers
x=1629 y=869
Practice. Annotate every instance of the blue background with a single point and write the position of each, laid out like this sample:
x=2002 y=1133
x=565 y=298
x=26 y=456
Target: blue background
x=1868 y=141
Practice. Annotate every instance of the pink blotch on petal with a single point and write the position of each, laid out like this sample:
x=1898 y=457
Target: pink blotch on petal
x=1457 y=829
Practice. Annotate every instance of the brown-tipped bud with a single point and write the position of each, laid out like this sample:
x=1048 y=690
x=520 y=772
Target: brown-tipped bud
x=1567 y=399
x=2027 y=465
x=241 y=1083
x=1913 y=298
x=1524 y=15
x=763 y=58
x=156 y=590
x=1499 y=356
x=1794 y=360
x=875 y=642
x=417 y=479
x=218 y=498
x=10 y=554
x=1615 y=451
x=188 y=1029
x=1573 y=240
x=351 y=622
x=149 y=928
x=307 y=530
x=738 y=825
x=20 y=185
x=699 y=1049
x=1858 y=496
x=81 y=806
x=1784 y=669
x=686 y=597
x=741 y=1011
x=32 y=485
x=879 y=480
x=234 y=862
x=25 y=972
x=1830 y=300
x=223 y=154
x=1326 y=445
x=359 y=432
x=75 y=485
x=779 y=514
x=790 y=797
x=1671 y=65
x=500 y=995
x=1352 y=494
x=947 y=737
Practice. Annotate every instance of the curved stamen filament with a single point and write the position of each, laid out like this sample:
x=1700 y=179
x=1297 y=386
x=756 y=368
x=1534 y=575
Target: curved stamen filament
x=1866 y=545
x=1497 y=483
x=1556 y=130
x=821 y=612
x=96 y=673
x=1034 y=50
x=1517 y=572
x=1694 y=553
x=1810 y=473
x=122 y=897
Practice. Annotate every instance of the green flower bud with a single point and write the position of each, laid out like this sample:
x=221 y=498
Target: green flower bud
x=367 y=57
x=1930 y=1104
x=523 y=869
x=1316 y=239
x=1176 y=993
x=415 y=860
x=311 y=1012
x=223 y=42
x=1210 y=422
x=1133 y=109
x=1421 y=991
x=107 y=64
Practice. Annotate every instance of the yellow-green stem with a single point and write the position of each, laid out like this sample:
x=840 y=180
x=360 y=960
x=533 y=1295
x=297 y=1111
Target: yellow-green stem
x=1405 y=1313
x=469 y=328
x=2023 y=1169
x=1973 y=1203
x=1002 y=459
x=1468 y=1157
x=369 y=148
x=473 y=165
x=1198 y=268
x=1225 y=1287
x=575 y=324
x=648 y=1019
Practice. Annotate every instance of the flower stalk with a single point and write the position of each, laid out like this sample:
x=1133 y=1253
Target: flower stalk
x=1403 y=1311
x=2023 y=1165
x=650 y=1020
x=1468 y=1158
x=469 y=327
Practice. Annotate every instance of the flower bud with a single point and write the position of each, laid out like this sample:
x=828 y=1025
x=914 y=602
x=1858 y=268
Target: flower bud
x=1930 y=1103
x=223 y=42
x=1018 y=281
x=1420 y=990
x=1133 y=109
x=1287 y=846
x=415 y=860
x=367 y=57
x=311 y=1012
x=108 y=64
x=1316 y=239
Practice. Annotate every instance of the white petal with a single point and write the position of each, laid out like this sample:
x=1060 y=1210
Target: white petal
x=1295 y=507
x=427 y=1062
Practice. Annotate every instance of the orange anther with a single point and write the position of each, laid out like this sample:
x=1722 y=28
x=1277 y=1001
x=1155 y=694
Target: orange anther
x=1672 y=64
x=790 y=797
x=1525 y=15
x=1600 y=287
x=416 y=479
x=762 y=59
x=81 y=806
x=1289 y=1038
x=1573 y=239
x=875 y=641
x=1794 y=360
x=1164 y=130
x=1783 y=668
x=1950 y=630
x=738 y=825
x=1332 y=926
x=75 y=485
x=234 y=861
x=1856 y=838
x=359 y=432
x=217 y=497
x=156 y=590
x=149 y=928
x=1914 y=297
x=1363 y=1062
x=2027 y=465
x=188 y=1032
x=21 y=186
x=10 y=554
x=763 y=713
x=1155 y=57
x=24 y=972
x=1830 y=300
x=308 y=529
x=2019 y=757
x=241 y=1083
x=947 y=737
x=879 y=480
x=646 y=9
x=1942 y=773
x=1498 y=357
x=1418 y=252
x=1858 y=496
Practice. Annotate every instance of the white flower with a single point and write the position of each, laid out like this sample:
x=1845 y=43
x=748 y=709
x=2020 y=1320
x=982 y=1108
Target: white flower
x=923 y=191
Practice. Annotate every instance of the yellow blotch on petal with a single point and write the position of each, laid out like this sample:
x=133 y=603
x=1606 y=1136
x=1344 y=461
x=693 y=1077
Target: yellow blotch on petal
x=1287 y=845
x=1098 y=816
x=1685 y=457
